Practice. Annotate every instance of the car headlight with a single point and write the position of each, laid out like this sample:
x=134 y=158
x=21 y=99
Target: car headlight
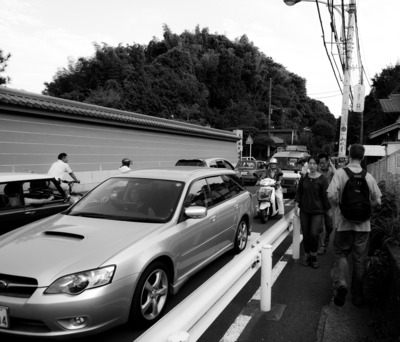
x=74 y=284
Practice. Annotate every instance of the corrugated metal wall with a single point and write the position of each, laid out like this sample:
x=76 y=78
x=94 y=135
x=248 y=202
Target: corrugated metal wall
x=32 y=143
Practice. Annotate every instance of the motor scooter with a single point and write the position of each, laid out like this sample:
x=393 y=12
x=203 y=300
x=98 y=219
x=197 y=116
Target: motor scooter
x=265 y=196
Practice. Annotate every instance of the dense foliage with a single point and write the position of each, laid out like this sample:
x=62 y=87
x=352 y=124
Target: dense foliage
x=3 y=64
x=383 y=84
x=201 y=78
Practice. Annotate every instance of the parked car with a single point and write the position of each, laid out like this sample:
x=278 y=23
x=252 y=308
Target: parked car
x=120 y=251
x=250 y=170
x=209 y=162
x=23 y=198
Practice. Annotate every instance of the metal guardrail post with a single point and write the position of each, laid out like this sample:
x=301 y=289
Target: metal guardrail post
x=296 y=237
x=266 y=278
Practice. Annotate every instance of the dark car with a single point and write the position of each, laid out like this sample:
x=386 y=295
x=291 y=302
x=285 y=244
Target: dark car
x=27 y=197
x=219 y=163
x=250 y=170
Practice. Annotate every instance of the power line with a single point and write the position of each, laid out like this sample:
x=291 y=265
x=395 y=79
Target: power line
x=325 y=92
x=323 y=38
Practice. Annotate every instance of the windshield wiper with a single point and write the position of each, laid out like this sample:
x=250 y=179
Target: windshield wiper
x=87 y=214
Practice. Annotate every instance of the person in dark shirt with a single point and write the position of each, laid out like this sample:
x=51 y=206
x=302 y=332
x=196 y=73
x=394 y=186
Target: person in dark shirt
x=311 y=202
x=327 y=169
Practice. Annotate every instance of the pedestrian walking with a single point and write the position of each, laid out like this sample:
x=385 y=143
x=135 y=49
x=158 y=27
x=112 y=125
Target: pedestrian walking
x=327 y=169
x=356 y=192
x=125 y=167
x=311 y=202
x=58 y=170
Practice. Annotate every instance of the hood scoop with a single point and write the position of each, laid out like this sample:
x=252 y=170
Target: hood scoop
x=64 y=235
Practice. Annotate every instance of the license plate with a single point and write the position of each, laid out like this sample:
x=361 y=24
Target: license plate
x=245 y=173
x=284 y=190
x=4 y=318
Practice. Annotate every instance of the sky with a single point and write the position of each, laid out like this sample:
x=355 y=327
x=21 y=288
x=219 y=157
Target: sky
x=43 y=35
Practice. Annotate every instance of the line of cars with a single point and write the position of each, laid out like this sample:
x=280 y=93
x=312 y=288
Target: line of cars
x=117 y=254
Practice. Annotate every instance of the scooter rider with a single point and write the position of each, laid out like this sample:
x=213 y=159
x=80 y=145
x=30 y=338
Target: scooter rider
x=275 y=173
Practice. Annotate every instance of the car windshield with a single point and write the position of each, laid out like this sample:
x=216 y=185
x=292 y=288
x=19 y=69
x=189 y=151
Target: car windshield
x=245 y=164
x=190 y=162
x=288 y=163
x=131 y=199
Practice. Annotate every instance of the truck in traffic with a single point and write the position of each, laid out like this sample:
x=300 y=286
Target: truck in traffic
x=289 y=163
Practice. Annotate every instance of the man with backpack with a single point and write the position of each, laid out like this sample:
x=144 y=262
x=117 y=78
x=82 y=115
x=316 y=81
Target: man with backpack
x=355 y=191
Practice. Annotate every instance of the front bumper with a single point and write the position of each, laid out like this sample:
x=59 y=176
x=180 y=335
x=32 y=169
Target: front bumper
x=54 y=316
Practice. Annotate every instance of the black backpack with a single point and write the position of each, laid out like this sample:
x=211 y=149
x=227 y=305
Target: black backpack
x=355 y=204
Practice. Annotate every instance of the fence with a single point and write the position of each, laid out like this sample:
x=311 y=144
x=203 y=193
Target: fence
x=387 y=170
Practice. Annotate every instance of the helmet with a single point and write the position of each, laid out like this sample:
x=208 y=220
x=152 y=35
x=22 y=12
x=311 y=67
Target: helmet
x=126 y=161
x=273 y=161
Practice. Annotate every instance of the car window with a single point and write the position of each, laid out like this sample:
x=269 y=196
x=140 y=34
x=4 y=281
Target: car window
x=131 y=199
x=10 y=195
x=246 y=164
x=233 y=187
x=228 y=165
x=190 y=162
x=219 y=191
x=198 y=194
x=35 y=192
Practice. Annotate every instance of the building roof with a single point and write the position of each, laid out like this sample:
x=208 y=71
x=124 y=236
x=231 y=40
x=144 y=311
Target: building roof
x=22 y=101
x=392 y=104
x=277 y=140
x=384 y=130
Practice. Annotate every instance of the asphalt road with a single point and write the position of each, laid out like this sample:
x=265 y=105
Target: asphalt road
x=128 y=333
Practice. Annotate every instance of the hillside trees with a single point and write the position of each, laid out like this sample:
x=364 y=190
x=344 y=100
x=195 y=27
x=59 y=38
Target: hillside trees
x=196 y=77
x=3 y=65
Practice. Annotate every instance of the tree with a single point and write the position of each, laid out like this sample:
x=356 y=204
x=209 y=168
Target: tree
x=193 y=76
x=3 y=65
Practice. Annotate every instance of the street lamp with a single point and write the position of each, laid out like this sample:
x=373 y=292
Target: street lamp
x=346 y=65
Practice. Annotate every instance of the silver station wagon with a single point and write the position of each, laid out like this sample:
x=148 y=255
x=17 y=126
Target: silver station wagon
x=119 y=253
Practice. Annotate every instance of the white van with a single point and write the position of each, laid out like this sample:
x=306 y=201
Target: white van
x=288 y=162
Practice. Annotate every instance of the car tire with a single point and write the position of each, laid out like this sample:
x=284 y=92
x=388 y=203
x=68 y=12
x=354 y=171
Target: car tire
x=241 y=236
x=151 y=295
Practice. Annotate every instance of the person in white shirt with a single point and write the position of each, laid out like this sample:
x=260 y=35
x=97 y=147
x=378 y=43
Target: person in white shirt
x=125 y=167
x=59 y=168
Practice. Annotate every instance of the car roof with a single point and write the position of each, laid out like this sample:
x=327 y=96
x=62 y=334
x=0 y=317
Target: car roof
x=176 y=173
x=22 y=176
x=292 y=154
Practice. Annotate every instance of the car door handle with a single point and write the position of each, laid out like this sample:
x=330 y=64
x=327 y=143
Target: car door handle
x=213 y=219
x=30 y=212
x=236 y=206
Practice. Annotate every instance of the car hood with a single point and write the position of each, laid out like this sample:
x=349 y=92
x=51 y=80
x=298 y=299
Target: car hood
x=63 y=244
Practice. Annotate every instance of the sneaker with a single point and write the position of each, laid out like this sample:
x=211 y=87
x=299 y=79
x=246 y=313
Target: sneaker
x=314 y=262
x=321 y=250
x=279 y=216
x=340 y=297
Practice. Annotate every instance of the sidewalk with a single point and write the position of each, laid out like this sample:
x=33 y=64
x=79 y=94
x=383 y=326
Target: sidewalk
x=310 y=314
x=302 y=310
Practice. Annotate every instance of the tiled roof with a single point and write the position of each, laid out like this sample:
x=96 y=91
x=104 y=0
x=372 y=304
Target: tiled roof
x=25 y=100
x=392 y=104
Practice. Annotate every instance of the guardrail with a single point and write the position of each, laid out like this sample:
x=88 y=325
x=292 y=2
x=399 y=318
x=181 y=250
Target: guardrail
x=192 y=317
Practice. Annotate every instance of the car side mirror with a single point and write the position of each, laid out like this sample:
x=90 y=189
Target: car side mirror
x=196 y=212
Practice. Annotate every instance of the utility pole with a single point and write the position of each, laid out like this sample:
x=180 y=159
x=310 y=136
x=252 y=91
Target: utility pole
x=269 y=117
x=348 y=49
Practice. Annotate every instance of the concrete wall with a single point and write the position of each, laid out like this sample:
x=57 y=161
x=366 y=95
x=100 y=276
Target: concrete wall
x=32 y=143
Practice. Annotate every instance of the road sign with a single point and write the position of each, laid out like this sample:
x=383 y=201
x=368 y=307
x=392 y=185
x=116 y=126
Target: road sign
x=358 y=98
x=249 y=140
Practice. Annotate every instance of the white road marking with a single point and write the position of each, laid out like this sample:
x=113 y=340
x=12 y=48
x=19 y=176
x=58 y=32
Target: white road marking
x=241 y=321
